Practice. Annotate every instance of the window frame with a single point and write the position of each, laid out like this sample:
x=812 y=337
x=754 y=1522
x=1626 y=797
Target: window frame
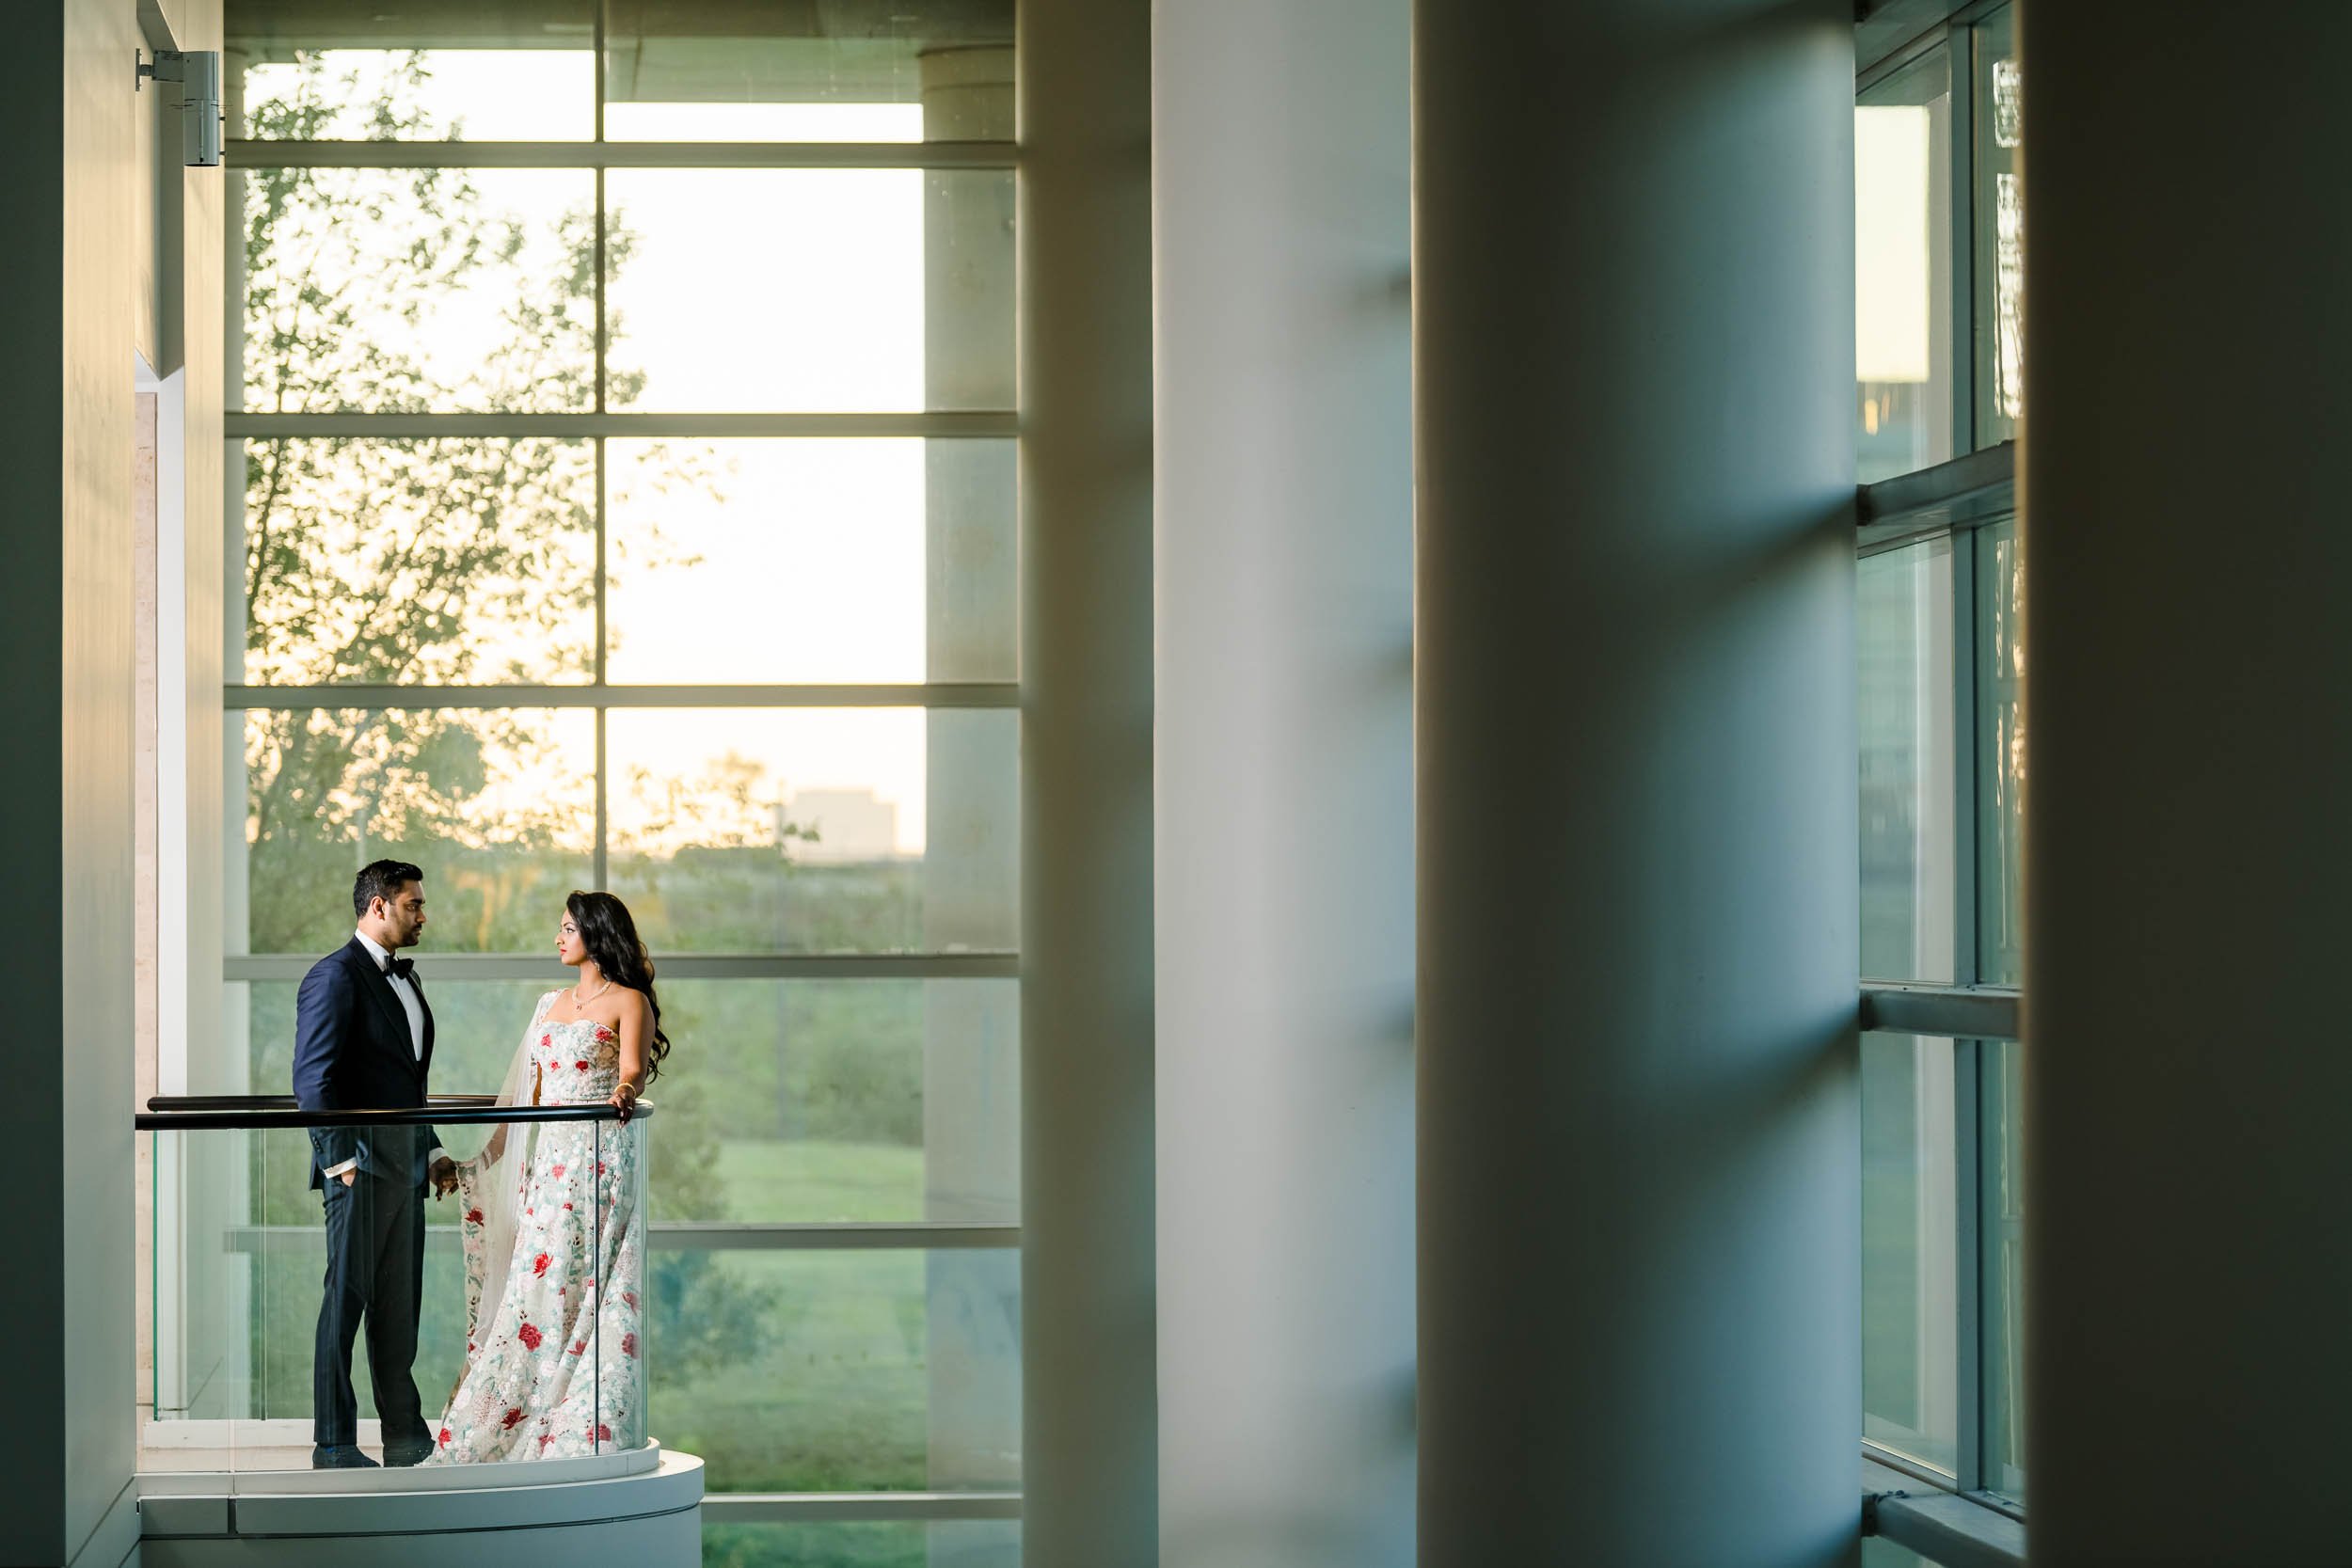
x=598 y=426
x=1953 y=500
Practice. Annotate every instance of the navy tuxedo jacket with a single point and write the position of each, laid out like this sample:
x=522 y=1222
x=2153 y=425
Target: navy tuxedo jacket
x=353 y=1052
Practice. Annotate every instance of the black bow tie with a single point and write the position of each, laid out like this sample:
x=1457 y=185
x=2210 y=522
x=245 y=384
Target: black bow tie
x=400 y=969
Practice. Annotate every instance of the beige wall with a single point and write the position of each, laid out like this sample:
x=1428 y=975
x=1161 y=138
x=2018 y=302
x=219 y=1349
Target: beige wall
x=191 y=917
x=144 y=955
x=91 y=1164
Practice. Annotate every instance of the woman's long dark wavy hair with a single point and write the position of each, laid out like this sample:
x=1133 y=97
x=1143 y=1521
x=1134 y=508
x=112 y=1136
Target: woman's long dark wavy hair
x=610 y=937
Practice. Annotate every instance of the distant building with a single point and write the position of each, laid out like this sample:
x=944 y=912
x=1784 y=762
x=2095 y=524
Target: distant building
x=849 y=824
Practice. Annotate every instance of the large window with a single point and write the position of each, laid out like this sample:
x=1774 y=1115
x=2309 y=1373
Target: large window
x=624 y=398
x=1939 y=240
x=1943 y=760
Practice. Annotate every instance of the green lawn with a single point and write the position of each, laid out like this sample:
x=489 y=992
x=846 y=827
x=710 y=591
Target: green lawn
x=803 y=1182
x=960 y=1544
x=785 y=1371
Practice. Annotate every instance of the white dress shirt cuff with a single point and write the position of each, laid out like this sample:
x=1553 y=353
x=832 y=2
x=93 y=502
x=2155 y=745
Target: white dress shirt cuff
x=438 y=1153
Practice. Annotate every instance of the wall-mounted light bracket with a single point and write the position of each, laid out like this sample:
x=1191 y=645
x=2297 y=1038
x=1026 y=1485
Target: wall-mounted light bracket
x=197 y=71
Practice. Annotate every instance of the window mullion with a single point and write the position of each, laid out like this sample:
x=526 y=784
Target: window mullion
x=1959 y=49
x=1967 y=1274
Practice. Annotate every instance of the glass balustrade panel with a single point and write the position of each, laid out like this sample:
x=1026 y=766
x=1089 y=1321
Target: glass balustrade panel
x=259 y=1267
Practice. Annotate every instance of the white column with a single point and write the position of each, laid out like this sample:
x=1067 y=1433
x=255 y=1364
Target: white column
x=67 y=1154
x=1639 y=1177
x=1284 y=784
x=1084 y=237
x=2188 y=765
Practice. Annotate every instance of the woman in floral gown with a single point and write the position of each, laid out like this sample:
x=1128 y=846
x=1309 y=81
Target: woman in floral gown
x=554 y=1230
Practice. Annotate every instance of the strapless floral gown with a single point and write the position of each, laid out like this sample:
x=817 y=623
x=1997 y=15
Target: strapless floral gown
x=554 y=1369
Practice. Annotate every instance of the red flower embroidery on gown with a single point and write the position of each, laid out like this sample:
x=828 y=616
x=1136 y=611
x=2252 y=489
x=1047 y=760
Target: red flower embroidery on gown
x=581 y=1224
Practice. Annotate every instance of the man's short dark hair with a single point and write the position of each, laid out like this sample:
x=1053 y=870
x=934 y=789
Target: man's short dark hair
x=381 y=880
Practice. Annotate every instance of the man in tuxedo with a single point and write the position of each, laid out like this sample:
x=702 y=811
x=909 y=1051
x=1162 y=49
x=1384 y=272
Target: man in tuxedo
x=363 y=1041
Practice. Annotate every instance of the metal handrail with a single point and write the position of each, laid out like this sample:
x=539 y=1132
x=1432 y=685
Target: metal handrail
x=234 y=1113
x=279 y=1102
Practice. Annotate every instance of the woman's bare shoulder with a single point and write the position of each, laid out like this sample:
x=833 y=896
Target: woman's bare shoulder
x=622 y=1002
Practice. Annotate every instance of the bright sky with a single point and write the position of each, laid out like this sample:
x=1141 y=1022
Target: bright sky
x=1891 y=236
x=749 y=291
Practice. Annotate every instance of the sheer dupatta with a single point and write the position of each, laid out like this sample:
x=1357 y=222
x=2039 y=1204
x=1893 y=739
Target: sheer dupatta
x=491 y=1187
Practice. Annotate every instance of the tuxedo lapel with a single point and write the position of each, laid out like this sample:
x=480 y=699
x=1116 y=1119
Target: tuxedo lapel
x=373 y=981
x=424 y=1062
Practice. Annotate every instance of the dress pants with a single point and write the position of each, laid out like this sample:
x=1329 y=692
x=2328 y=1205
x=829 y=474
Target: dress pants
x=374 y=1279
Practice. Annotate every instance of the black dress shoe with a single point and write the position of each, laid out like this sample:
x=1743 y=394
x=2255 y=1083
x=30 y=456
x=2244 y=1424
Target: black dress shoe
x=340 y=1456
x=400 y=1455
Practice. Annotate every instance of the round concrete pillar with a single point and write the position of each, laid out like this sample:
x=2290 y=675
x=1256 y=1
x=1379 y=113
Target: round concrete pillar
x=1639 y=1183
x=1084 y=238
x=1284 y=784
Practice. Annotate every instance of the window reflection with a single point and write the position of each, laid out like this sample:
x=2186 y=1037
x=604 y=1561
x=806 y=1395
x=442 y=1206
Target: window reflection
x=477 y=94
x=750 y=291
x=872 y=830
x=888 y=1100
x=2003 y=1214
x=2000 y=756
x=1902 y=271
x=942 y=1543
x=863 y=560
x=866 y=1372
x=411 y=291
x=1910 y=1250
x=419 y=561
x=2000 y=230
x=1909 y=779
x=497 y=806
x=846 y=70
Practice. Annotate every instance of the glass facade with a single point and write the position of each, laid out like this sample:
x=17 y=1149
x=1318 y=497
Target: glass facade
x=2000 y=1208
x=1909 y=850
x=1942 y=765
x=1910 y=1213
x=1943 y=760
x=1939 y=247
x=616 y=515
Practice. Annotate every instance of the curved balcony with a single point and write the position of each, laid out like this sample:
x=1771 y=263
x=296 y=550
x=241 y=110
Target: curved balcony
x=227 y=1471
